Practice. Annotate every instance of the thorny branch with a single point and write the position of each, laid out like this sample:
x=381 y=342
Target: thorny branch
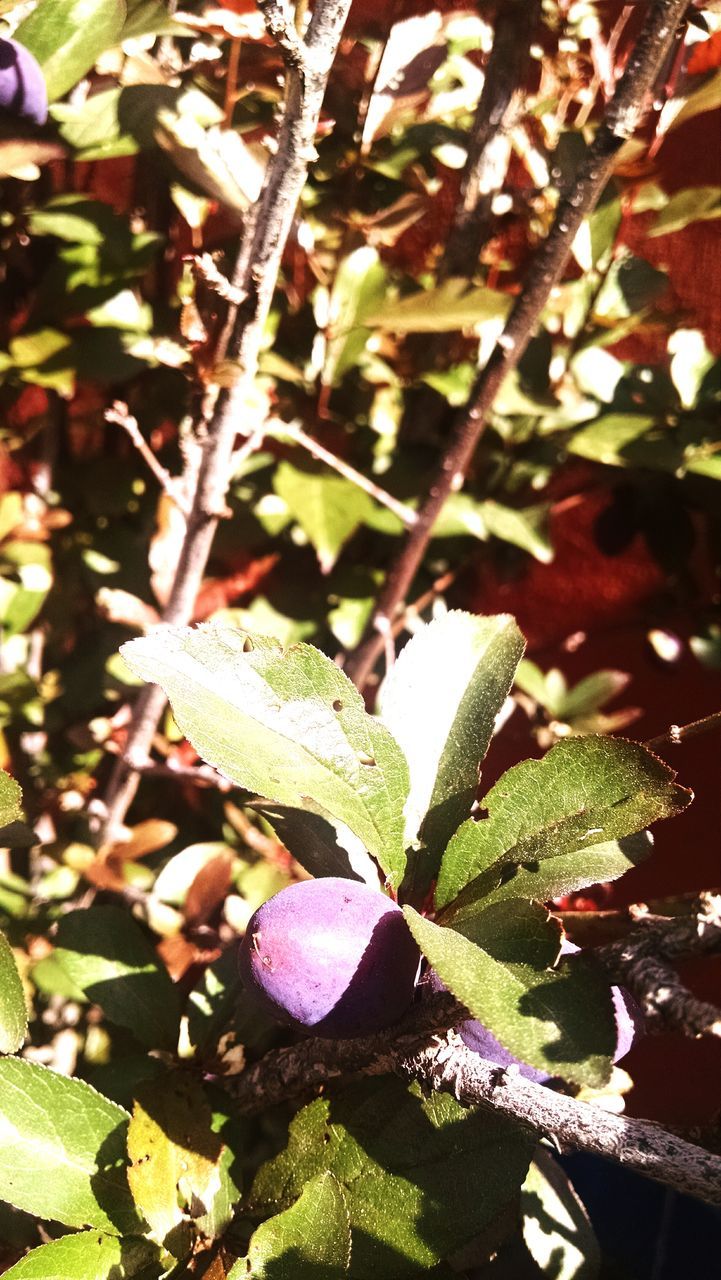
x=421 y=1047
x=621 y=119
x=225 y=413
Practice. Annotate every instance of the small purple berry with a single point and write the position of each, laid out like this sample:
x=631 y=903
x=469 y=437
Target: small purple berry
x=330 y=956
x=23 y=92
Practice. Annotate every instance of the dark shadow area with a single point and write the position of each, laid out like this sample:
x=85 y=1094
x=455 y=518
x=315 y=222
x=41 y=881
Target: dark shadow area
x=311 y=838
x=464 y=1169
x=110 y=1182
x=645 y=1231
x=370 y=1003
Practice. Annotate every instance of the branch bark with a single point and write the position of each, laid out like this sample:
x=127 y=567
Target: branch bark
x=642 y=962
x=516 y=21
x=678 y=733
x=308 y=64
x=443 y=1062
x=641 y=1145
x=621 y=119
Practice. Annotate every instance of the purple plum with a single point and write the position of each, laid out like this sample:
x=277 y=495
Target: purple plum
x=627 y=1015
x=332 y=957
x=23 y=93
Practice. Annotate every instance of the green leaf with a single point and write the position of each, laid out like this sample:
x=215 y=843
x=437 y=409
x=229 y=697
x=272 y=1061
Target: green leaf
x=13 y=1014
x=522 y=527
x=89 y=1255
x=706 y=98
x=421 y=1177
x=107 y=956
x=630 y=285
x=151 y=18
x=442 y=310
x=62 y=1150
x=13 y=831
x=440 y=702
x=310 y=1241
x=327 y=507
x=175 y=1158
x=68 y=36
x=606 y=439
x=584 y=792
x=10 y=800
x=526 y=528
x=552 y=877
x=322 y=847
x=591 y=693
x=358 y=289
x=285 y=723
x=691 y=363
x=558 y=1021
x=634 y=439
x=692 y=204
x=556 y=1227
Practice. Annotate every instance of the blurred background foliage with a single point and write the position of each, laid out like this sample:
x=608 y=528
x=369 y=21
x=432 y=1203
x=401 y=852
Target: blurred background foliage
x=591 y=510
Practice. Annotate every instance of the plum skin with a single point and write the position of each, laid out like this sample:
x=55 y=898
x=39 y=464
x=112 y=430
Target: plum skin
x=332 y=957
x=23 y=92
x=477 y=1037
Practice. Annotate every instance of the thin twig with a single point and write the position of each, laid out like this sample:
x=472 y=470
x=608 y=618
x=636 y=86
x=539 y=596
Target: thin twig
x=280 y=21
x=516 y=21
x=405 y=513
x=225 y=412
x=204 y=266
x=642 y=962
x=415 y=609
x=676 y=734
x=426 y=414
x=620 y=121
x=198 y=775
x=119 y=414
x=596 y=928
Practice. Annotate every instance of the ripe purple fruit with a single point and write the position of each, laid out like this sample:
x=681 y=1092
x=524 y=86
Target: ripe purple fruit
x=626 y=1012
x=330 y=956
x=23 y=92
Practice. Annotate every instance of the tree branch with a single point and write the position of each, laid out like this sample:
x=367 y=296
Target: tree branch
x=225 y=415
x=405 y=513
x=641 y=1145
x=642 y=963
x=622 y=116
x=445 y=1063
x=678 y=733
x=119 y=414
x=516 y=21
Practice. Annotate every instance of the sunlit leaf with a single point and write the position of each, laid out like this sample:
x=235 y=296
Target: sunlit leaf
x=440 y=702
x=62 y=1150
x=284 y=723
x=310 y=1241
x=420 y=1177
x=585 y=792
x=174 y=1172
x=452 y=305
x=556 y=1228
x=13 y=1014
x=86 y=1255
x=67 y=37
x=108 y=957
x=498 y=967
